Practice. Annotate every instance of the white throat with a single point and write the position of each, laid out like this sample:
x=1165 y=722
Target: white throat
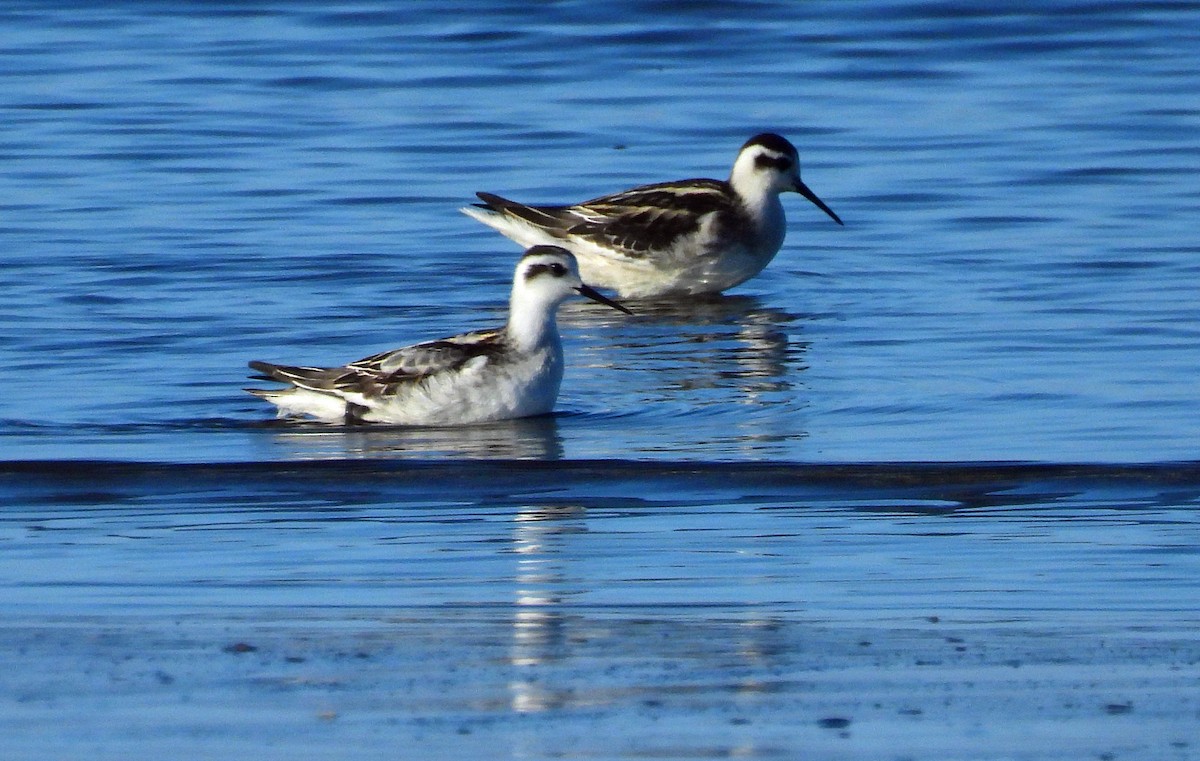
x=759 y=191
x=531 y=321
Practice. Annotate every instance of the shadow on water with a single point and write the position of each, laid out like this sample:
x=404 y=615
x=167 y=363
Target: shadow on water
x=934 y=489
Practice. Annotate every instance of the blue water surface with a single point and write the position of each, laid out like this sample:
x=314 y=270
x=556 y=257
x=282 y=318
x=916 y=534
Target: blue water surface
x=734 y=538
x=191 y=186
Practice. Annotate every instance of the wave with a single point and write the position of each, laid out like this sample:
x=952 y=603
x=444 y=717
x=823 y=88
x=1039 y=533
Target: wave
x=507 y=475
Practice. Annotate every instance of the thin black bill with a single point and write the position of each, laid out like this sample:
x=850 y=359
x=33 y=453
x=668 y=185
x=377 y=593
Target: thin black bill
x=803 y=190
x=594 y=295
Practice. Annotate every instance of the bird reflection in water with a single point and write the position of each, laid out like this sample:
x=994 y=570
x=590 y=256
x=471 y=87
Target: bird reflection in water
x=534 y=438
x=714 y=342
x=721 y=373
x=542 y=588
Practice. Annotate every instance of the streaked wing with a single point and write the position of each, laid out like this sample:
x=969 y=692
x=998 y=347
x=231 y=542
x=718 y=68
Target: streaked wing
x=423 y=359
x=553 y=220
x=332 y=379
x=651 y=218
x=309 y=377
x=387 y=371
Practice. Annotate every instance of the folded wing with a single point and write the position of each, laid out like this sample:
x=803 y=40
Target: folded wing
x=632 y=224
x=387 y=372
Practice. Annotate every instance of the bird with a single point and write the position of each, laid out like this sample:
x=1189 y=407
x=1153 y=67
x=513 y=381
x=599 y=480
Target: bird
x=669 y=239
x=476 y=377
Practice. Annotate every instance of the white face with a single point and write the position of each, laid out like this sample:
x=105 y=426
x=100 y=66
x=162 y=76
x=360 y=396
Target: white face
x=773 y=169
x=550 y=274
x=766 y=164
x=547 y=274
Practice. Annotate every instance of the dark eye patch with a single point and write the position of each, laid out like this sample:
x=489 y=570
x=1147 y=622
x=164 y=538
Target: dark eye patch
x=779 y=162
x=782 y=163
x=553 y=269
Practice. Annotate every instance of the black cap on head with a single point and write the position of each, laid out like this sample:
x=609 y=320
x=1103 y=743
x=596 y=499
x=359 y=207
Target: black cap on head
x=541 y=249
x=772 y=142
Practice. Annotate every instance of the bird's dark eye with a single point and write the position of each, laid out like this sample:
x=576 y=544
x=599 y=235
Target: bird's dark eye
x=557 y=269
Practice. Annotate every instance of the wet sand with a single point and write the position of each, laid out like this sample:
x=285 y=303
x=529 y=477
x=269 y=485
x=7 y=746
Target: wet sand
x=541 y=682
